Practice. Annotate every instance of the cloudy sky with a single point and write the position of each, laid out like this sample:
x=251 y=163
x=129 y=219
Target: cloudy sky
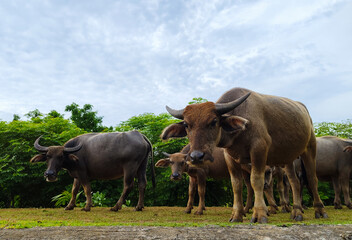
x=131 y=57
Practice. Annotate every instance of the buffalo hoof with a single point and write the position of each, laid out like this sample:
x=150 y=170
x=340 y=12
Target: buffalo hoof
x=233 y=220
x=188 y=211
x=299 y=218
x=68 y=208
x=323 y=215
x=272 y=210
x=337 y=206
x=285 y=209
x=139 y=208
x=198 y=213
x=263 y=220
x=114 y=209
x=85 y=209
x=349 y=206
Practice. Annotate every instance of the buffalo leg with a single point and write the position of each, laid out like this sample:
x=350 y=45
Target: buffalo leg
x=258 y=156
x=236 y=182
x=337 y=190
x=75 y=188
x=88 y=193
x=283 y=193
x=308 y=159
x=249 y=201
x=142 y=183
x=344 y=181
x=191 y=193
x=128 y=185
x=201 y=192
x=269 y=194
x=297 y=212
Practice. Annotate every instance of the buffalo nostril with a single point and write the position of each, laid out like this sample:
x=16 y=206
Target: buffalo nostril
x=49 y=173
x=175 y=175
x=196 y=156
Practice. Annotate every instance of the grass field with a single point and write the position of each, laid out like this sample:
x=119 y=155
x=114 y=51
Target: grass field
x=150 y=216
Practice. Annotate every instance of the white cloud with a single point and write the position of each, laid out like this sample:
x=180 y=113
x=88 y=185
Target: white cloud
x=127 y=58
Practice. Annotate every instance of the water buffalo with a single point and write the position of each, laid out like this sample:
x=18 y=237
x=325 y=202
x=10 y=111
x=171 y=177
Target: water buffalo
x=261 y=130
x=197 y=176
x=333 y=165
x=216 y=170
x=100 y=156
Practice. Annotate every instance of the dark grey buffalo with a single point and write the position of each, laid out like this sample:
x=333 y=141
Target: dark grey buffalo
x=100 y=156
x=261 y=130
x=333 y=164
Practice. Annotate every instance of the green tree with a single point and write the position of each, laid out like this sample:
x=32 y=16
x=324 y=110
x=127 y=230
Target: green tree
x=22 y=183
x=55 y=114
x=198 y=100
x=85 y=117
x=343 y=129
x=16 y=117
x=35 y=114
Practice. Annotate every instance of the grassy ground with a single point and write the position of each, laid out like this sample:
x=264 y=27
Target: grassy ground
x=150 y=216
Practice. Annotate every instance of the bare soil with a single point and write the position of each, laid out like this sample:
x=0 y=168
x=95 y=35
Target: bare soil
x=210 y=232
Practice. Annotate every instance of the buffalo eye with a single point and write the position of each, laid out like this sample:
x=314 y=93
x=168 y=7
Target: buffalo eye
x=185 y=124
x=213 y=123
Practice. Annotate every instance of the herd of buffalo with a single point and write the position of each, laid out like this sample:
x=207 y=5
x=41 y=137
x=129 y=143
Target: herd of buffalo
x=245 y=135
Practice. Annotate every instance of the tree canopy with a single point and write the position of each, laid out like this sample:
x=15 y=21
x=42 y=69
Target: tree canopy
x=22 y=183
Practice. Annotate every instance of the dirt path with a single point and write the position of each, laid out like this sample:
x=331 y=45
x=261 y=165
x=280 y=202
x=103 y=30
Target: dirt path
x=236 y=232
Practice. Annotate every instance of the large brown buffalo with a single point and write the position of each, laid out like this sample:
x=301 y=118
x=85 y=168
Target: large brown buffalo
x=262 y=130
x=332 y=165
x=100 y=156
x=216 y=170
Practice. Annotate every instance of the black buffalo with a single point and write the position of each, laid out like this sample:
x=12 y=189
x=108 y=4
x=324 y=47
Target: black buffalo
x=333 y=164
x=100 y=156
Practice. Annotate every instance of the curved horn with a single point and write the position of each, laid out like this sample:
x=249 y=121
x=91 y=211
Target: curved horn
x=222 y=108
x=73 y=149
x=166 y=154
x=176 y=113
x=38 y=147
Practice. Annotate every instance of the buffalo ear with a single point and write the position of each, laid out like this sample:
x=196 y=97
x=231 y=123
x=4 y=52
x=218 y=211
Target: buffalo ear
x=38 y=158
x=348 y=149
x=175 y=130
x=233 y=123
x=163 y=163
x=73 y=157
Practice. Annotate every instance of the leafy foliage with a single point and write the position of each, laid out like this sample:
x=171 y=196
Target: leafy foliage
x=22 y=183
x=85 y=117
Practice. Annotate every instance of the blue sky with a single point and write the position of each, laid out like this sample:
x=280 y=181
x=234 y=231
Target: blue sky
x=131 y=57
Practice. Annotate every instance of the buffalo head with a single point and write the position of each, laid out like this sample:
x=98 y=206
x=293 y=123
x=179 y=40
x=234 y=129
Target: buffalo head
x=177 y=163
x=207 y=126
x=57 y=157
